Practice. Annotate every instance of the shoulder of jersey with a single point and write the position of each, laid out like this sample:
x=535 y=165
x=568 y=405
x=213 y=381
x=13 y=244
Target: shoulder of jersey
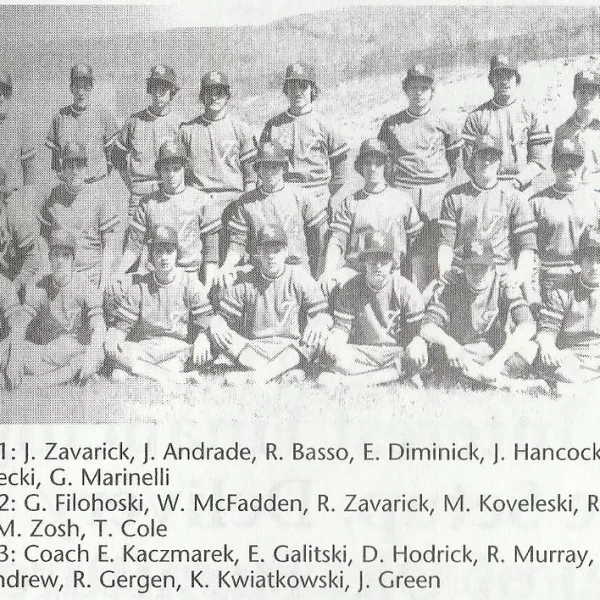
x=402 y=283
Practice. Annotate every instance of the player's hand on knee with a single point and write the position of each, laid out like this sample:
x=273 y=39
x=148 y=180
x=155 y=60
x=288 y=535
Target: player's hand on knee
x=220 y=331
x=317 y=331
x=550 y=356
x=201 y=353
x=223 y=278
x=457 y=357
x=416 y=352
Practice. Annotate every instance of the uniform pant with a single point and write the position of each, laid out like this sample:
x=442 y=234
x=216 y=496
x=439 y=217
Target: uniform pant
x=579 y=366
x=356 y=359
x=428 y=201
x=166 y=352
x=45 y=358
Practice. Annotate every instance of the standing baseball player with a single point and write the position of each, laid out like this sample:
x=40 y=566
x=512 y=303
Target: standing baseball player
x=376 y=207
x=65 y=336
x=376 y=321
x=276 y=202
x=260 y=323
x=425 y=146
x=569 y=325
x=220 y=148
x=137 y=144
x=86 y=210
x=184 y=208
x=316 y=151
x=85 y=123
x=13 y=323
x=491 y=210
x=562 y=212
x=18 y=148
x=519 y=132
x=467 y=317
x=583 y=126
x=163 y=319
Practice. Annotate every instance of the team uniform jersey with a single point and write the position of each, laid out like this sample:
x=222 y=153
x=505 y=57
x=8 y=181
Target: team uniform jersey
x=310 y=143
x=177 y=309
x=19 y=233
x=420 y=146
x=18 y=145
x=191 y=214
x=9 y=302
x=572 y=314
x=390 y=211
x=258 y=307
x=471 y=318
x=521 y=134
x=500 y=216
x=220 y=153
x=584 y=135
x=88 y=215
x=289 y=207
x=62 y=312
x=95 y=128
x=139 y=141
x=390 y=316
x=561 y=218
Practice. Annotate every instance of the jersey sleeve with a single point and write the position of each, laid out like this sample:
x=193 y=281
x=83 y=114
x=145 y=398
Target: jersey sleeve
x=200 y=308
x=553 y=311
x=111 y=132
x=33 y=299
x=28 y=144
x=128 y=309
x=337 y=146
x=341 y=224
x=523 y=223
x=44 y=216
x=412 y=221
x=26 y=230
x=107 y=213
x=238 y=228
x=122 y=145
x=344 y=308
x=93 y=301
x=267 y=133
x=247 y=150
x=231 y=306
x=539 y=140
x=437 y=311
x=52 y=142
x=9 y=301
x=314 y=212
x=384 y=134
x=453 y=137
x=414 y=308
x=138 y=227
x=210 y=225
x=311 y=297
x=449 y=219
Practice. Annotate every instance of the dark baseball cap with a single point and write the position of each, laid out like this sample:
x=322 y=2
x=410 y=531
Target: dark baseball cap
x=569 y=148
x=419 y=71
x=82 y=72
x=478 y=252
x=486 y=143
x=272 y=233
x=587 y=77
x=163 y=234
x=270 y=152
x=73 y=151
x=300 y=71
x=170 y=153
x=501 y=61
x=165 y=74
x=376 y=242
x=61 y=238
x=213 y=79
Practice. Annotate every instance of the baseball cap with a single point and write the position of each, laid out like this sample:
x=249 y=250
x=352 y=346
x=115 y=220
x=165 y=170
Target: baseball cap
x=587 y=77
x=419 y=71
x=486 y=143
x=272 y=233
x=376 y=242
x=213 y=78
x=271 y=152
x=571 y=148
x=82 y=72
x=300 y=71
x=501 y=61
x=63 y=239
x=73 y=151
x=478 y=252
x=163 y=234
x=170 y=153
x=165 y=74
x=6 y=80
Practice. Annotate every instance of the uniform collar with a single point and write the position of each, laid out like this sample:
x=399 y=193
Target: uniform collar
x=162 y=285
x=302 y=114
x=267 y=278
x=207 y=120
x=157 y=115
x=413 y=116
x=562 y=192
x=264 y=193
x=78 y=111
x=480 y=189
x=497 y=105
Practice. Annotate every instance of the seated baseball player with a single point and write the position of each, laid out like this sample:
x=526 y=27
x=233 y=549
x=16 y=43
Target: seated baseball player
x=65 y=334
x=490 y=210
x=376 y=321
x=376 y=207
x=569 y=324
x=562 y=212
x=260 y=321
x=13 y=322
x=467 y=317
x=162 y=320
x=275 y=202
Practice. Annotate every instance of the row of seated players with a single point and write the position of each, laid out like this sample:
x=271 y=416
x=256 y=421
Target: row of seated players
x=275 y=319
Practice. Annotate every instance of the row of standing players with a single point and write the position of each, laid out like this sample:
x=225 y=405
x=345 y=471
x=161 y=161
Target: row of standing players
x=190 y=177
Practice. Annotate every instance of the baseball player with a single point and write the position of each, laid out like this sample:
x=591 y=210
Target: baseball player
x=65 y=312
x=562 y=211
x=20 y=258
x=163 y=319
x=425 y=146
x=220 y=148
x=91 y=126
x=583 y=126
x=18 y=148
x=137 y=144
x=260 y=319
x=13 y=323
x=569 y=324
x=377 y=207
x=317 y=152
x=86 y=210
x=188 y=210
x=467 y=317
x=519 y=132
x=275 y=201
x=488 y=209
x=376 y=320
